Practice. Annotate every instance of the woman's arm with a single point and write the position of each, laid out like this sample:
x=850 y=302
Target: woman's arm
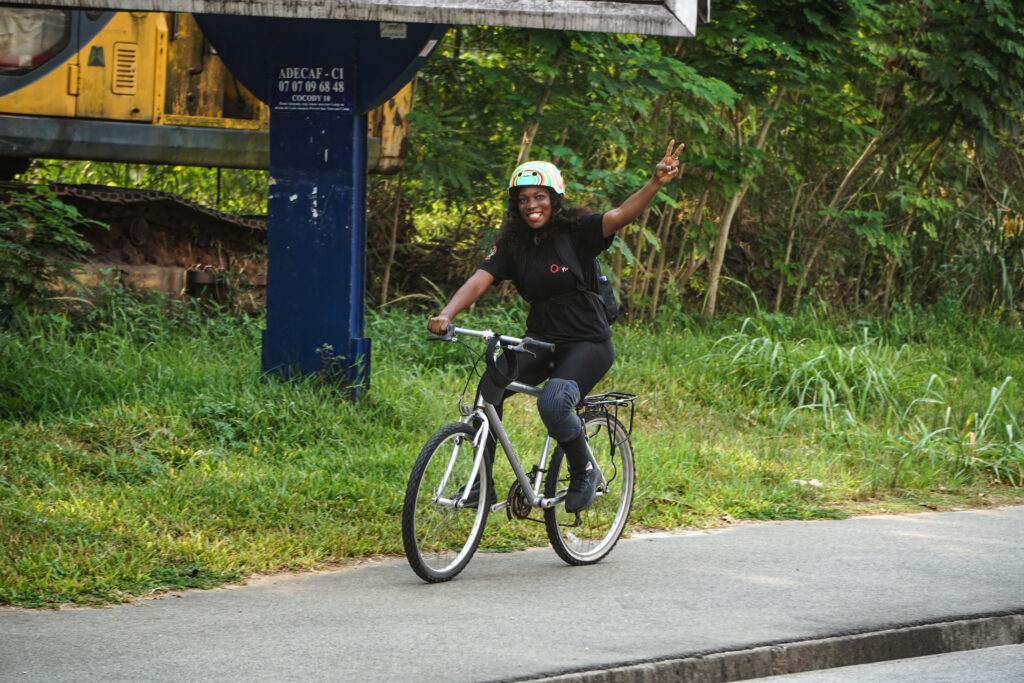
x=623 y=215
x=468 y=293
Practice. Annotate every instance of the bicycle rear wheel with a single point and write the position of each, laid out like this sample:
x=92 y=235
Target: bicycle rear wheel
x=439 y=537
x=587 y=537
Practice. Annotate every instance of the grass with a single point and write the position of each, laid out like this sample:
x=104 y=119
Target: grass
x=141 y=449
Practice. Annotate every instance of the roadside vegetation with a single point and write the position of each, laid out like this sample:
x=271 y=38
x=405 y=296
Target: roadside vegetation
x=859 y=154
x=143 y=450
x=822 y=317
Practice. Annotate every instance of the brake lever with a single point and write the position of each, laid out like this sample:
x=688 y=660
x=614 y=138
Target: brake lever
x=521 y=348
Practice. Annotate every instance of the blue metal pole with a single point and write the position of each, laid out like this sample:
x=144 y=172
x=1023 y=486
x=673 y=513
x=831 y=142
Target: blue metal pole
x=320 y=78
x=316 y=239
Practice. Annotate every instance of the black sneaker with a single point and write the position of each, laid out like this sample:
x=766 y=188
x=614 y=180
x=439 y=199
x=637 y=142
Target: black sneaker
x=582 y=488
x=474 y=495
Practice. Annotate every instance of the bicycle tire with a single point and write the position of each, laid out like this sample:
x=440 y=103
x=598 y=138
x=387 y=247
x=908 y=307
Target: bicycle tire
x=600 y=525
x=440 y=539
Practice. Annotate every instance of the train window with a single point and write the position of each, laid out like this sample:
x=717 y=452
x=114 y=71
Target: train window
x=30 y=37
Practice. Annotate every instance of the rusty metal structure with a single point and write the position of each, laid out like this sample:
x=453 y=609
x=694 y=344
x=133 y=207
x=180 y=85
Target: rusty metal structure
x=149 y=88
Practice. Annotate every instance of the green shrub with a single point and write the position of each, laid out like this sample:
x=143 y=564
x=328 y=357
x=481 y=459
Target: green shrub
x=38 y=244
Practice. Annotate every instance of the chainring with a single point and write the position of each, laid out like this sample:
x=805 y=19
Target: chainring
x=518 y=506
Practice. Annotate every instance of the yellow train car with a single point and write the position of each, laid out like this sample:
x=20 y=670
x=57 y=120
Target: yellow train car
x=139 y=87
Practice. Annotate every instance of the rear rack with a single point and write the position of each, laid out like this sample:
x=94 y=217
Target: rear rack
x=610 y=398
x=610 y=402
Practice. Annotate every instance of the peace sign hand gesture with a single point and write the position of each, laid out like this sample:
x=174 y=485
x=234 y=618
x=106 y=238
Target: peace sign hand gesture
x=668 y=167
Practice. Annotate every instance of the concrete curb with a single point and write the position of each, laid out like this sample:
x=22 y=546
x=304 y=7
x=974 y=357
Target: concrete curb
x=772 y=659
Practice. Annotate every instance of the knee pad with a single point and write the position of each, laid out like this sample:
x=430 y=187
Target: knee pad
x=556 y=405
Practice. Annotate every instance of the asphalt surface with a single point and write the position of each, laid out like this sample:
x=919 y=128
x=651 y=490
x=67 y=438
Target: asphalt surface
x=693 y=606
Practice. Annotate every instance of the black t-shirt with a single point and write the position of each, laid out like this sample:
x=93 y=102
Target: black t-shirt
x=559 y=311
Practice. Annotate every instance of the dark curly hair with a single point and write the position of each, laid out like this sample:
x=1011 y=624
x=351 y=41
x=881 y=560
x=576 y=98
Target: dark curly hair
x=515 y=233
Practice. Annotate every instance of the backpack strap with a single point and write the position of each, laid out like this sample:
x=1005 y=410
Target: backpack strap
x=597 y=286
x=563 y=247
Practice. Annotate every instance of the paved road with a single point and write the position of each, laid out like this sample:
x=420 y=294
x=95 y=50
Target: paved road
x=526 y=614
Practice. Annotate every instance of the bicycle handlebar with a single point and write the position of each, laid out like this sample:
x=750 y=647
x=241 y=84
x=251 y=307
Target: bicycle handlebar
x=512 y=343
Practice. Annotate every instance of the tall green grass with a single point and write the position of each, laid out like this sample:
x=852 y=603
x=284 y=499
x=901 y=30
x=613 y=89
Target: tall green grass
x=895 y=396
x=142 y=449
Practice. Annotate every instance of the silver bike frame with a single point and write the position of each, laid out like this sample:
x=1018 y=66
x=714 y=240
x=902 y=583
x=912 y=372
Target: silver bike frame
x=489 y=421
x=487 y=415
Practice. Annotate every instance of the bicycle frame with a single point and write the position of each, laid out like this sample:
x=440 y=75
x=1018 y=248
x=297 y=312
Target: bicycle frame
x=489 y=421
x=487 y=415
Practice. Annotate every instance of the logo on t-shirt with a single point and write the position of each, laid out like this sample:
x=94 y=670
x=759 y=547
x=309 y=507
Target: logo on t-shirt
x=492 y=252
x=556 y=269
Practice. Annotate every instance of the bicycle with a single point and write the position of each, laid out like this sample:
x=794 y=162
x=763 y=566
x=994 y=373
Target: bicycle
x=442 y=526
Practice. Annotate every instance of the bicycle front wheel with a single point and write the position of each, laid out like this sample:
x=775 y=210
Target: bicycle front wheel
x=439 y=536
x=587 y=537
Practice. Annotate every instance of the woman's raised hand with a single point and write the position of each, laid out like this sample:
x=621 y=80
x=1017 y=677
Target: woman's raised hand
x=668 y=167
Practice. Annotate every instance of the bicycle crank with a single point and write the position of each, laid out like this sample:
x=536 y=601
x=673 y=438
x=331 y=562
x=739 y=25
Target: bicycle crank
x=518 y=506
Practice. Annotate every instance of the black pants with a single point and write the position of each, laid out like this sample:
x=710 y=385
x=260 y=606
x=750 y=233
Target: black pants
x=583 y=362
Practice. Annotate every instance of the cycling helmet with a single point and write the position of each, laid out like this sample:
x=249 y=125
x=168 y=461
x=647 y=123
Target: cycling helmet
x=537 y=173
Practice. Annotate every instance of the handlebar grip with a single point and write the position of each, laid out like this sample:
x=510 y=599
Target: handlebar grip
x=530 y=341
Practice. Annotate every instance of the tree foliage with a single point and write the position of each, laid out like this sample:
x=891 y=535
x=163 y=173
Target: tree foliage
x=856 y=153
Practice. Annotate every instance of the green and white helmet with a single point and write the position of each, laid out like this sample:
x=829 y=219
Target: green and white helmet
x=537 y=173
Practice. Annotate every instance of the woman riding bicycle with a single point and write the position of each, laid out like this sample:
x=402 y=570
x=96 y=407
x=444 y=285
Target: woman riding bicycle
x=560 y=313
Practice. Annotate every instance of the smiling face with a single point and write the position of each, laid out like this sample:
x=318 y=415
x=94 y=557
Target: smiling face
x=535 y=206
